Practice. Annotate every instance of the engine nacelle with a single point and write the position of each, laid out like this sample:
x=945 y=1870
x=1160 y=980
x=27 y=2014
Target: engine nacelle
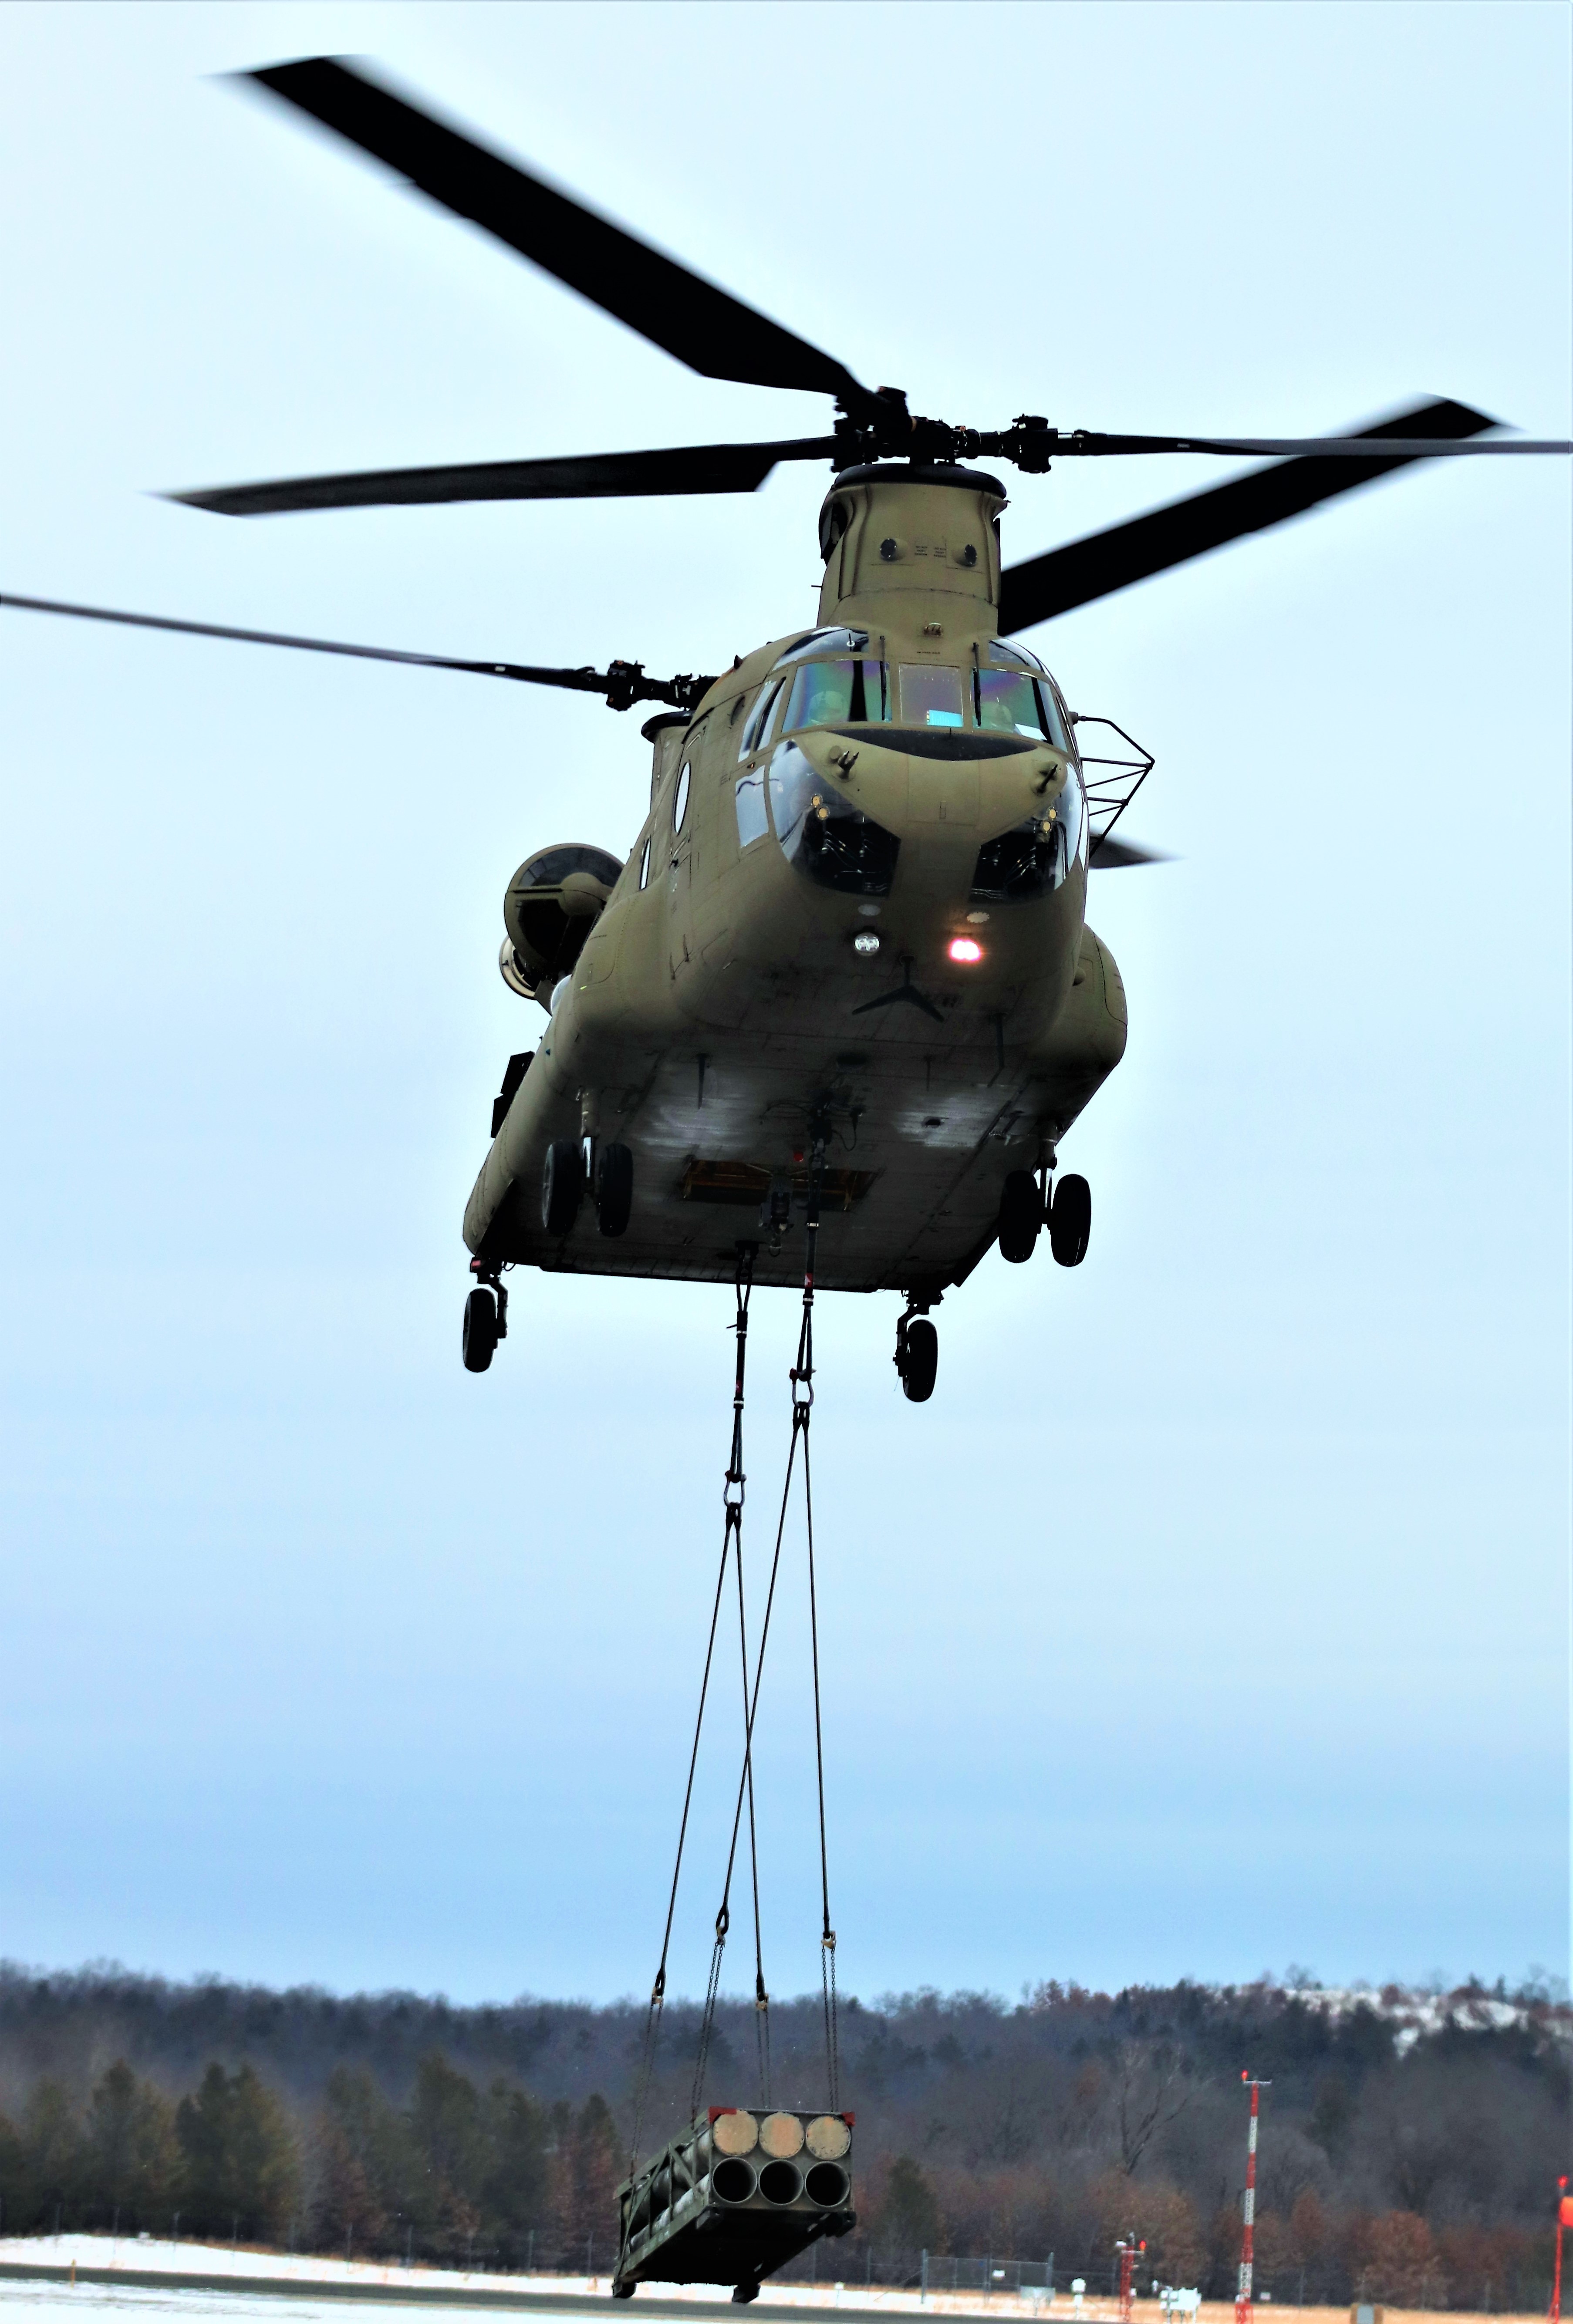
x=553 y=902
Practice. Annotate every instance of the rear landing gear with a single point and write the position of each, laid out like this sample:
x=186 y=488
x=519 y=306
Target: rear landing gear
x=1021 y=1216
x=744 y=2292
x=613 y=1189
x=486 y=1322
x=917 y=1356
x=1070 y=1220
x=562 y=1185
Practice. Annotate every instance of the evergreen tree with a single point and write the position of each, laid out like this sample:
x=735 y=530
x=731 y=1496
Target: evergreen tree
x=515 y=2195
x=587 y=2166
x=451 y=2148
x=242 y=2165
x=908 y=2215
x=131 y=2159
x=52 y=2155
x=364 y=2166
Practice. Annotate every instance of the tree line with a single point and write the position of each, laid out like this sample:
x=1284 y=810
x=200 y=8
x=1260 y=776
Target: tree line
x=1405 y=2159
x=457 y=2175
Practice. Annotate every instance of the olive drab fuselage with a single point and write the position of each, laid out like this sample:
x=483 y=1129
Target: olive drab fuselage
x=720 y=1007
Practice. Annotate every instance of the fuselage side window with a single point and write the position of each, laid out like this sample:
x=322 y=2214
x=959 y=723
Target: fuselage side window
x=680 y=805
x=645 y=865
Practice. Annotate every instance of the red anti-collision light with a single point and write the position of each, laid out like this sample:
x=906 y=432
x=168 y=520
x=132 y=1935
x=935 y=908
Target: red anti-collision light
x=966 y=948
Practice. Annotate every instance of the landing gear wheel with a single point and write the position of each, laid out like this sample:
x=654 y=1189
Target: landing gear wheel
x=614 y=1189
x=622 y=2290
x=1021 y=1216
x=1071 y=1220
x=480 y=1328
x=562 y=1182
x=744 y=2292
x=917 y=1357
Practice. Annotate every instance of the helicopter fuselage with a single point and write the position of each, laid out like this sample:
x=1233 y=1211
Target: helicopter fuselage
x=856 y=910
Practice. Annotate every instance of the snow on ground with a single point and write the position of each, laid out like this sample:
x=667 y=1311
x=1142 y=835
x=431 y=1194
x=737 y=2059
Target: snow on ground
x=25 y=2300
x=19 y=2299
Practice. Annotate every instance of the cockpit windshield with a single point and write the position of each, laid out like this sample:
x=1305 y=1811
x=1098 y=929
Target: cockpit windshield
x=829 y=693
x=1010 y=702
x=1017 y=700
x=1009 y=693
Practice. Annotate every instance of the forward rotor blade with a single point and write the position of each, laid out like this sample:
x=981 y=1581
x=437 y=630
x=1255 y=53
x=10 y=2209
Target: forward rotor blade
x=702 y=325
x=622 y=684
x=1371 y=445
x=1083 y=571
x=603 y=476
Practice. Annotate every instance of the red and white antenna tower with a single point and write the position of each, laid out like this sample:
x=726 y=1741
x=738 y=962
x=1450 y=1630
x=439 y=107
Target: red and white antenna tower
x=1248 y=2245
x=1129 y=2250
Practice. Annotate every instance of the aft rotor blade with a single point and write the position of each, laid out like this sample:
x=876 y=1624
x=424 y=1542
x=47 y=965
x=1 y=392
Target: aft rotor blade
x=622 y=684
x=700 y=324
x=1084 y=570
x=1113 y=854
x=602 y=476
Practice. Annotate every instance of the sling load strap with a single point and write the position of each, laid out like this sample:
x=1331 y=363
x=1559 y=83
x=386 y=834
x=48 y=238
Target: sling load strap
x=802 y=1388
x=732 y=1495
x=802 y=1409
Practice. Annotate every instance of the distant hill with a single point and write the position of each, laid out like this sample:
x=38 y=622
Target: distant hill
x=1410 y=2141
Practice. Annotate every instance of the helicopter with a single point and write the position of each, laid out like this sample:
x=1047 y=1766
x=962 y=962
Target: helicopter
x=846 y=966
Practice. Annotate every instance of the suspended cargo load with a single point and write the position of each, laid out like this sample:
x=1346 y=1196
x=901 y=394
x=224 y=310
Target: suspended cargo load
x=734 y=2197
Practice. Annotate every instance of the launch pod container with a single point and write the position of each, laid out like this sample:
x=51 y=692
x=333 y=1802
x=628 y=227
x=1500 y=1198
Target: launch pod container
x=733 y=2198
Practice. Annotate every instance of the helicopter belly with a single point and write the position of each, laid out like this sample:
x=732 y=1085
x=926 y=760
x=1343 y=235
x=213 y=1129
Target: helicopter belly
x=926 y=1120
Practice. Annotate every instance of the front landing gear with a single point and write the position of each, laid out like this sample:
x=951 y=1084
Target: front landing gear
x=917 y=1355
x=743 y=2293
x=486 y=1322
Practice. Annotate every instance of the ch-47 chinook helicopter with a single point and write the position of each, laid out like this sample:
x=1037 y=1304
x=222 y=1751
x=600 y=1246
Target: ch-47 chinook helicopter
x=849 y=946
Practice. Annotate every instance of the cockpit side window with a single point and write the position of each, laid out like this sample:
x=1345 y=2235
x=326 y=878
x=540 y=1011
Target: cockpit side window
x=758 y=720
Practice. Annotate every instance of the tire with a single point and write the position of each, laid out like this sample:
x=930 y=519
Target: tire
x=562 y=1182
x=921 y=1361
x=480 y=1328
x=1071 y=1220
x=1021 y=1216
x=614 y=1190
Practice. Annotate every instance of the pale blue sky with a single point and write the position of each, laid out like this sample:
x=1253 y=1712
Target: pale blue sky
x=1213 y=1614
